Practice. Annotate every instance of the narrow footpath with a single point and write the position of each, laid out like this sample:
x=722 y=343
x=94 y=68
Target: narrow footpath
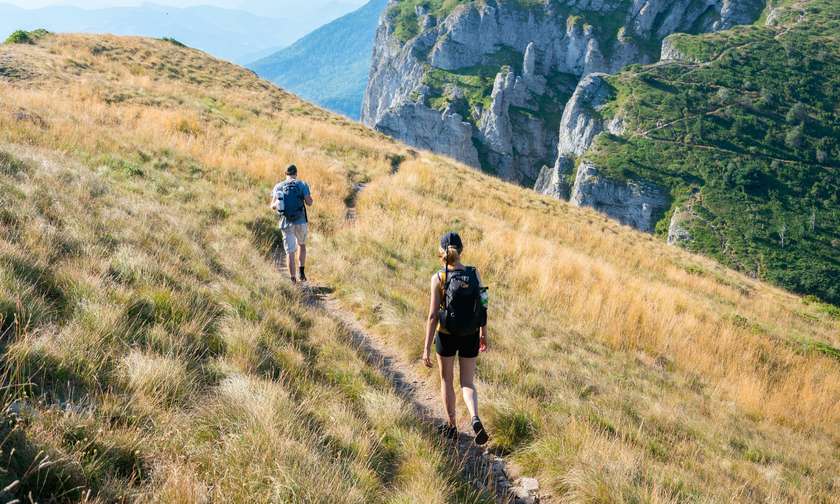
x=481 y=468
x=484 y=470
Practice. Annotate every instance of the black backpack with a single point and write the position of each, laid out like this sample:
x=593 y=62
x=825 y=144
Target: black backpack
x=291 y=193
x=462 y=313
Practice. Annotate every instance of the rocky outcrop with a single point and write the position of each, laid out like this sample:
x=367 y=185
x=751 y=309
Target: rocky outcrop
x=396 y=75
x=581 y=120
x=678 y=230
x=540 y=52
x=514 y=138
x=670 y=52
x=444 y=132
x=738 y=12
x=634 y=203
x=581 y=123
x=531 y=119
x=556 y=180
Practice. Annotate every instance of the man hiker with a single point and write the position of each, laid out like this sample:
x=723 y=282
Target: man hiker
x=290 y=199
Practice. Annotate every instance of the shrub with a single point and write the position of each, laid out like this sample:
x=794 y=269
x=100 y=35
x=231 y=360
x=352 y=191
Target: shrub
x=174 y=41
x=26 y=37
x=19 y=37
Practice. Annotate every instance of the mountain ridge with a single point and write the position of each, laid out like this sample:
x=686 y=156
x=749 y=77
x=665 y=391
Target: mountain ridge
x=152 y=349
x=765 y=145
x=498 y=74
x=313 y=65
x=491 y=84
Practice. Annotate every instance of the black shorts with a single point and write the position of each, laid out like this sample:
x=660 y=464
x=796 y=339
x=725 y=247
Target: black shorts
x=447 y=345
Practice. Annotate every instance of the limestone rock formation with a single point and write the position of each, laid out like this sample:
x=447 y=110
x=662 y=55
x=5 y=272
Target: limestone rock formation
x=634 y=203
x=444 y=132
x=581 y=121
x=514 y=89
x=556 y=181
x=678 y=231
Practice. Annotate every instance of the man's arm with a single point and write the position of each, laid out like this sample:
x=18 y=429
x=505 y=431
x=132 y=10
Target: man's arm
x=273 y=203
x=307 y=196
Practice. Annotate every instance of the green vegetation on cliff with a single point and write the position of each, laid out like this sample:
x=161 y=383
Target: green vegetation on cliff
x=608 y=26
x=744 y=131
x=152 y=352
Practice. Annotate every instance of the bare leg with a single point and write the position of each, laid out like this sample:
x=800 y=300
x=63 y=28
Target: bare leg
x=302 y=256
x=466 y=367
x=446 y=365
x=292 y=273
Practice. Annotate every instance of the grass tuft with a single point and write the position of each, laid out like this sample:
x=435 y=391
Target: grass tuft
x=138 y=315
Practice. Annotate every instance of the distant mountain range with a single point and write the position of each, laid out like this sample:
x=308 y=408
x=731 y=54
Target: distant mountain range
x=235 y=35
x=329 y=66
x=317 y=12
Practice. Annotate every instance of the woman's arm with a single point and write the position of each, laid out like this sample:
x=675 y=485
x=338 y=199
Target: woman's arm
x=432 y=321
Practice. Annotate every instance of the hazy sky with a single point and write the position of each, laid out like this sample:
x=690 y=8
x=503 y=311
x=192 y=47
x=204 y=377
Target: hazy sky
x=274 y=7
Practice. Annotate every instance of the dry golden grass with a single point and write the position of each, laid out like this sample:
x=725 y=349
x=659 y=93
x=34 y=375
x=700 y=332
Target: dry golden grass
x=621 y=369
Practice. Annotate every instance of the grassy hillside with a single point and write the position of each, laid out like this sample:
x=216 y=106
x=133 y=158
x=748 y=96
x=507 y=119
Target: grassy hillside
x=745 y=133
x=329 y=66
x=151 y=350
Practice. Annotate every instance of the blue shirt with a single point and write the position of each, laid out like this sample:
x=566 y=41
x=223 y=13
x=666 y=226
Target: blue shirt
x=304 y=187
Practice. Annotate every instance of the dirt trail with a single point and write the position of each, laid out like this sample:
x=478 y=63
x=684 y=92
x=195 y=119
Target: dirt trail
x=482 y=469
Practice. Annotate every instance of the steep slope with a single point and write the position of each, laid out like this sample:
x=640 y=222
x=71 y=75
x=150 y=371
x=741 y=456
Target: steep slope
x=734 y=139
x=486 y=82
x=169 y=362
x=225 y=33
x=150 y=350
x=330 y=65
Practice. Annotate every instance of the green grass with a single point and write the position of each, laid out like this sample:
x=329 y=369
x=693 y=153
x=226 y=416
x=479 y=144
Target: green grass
x=153 y=352
x=10 y=165
x=111 y=295
x=755 y=132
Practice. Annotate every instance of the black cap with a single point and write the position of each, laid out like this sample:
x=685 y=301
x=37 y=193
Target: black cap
x=451 y=239
x=291 y=170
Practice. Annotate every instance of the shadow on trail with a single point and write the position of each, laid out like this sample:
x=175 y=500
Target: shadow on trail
x=482 y=469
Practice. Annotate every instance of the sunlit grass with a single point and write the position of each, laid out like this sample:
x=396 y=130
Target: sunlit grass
x=137 y=291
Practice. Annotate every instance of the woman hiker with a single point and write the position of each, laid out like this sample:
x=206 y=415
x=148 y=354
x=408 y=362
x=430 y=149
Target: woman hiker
x=458 y=324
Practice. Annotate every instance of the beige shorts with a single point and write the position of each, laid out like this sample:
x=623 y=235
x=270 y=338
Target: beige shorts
x=294 y=235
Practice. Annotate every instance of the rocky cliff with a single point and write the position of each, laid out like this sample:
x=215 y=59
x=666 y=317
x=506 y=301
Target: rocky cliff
x=728 y=145
x=488 y=83
x=634 y=203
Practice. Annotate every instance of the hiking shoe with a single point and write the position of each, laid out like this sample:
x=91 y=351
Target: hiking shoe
x=481 y=436
x=294 y=280
x=448 y=431
x=302 y=275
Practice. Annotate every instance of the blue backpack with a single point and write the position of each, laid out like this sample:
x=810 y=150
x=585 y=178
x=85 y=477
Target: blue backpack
x=290 y=203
